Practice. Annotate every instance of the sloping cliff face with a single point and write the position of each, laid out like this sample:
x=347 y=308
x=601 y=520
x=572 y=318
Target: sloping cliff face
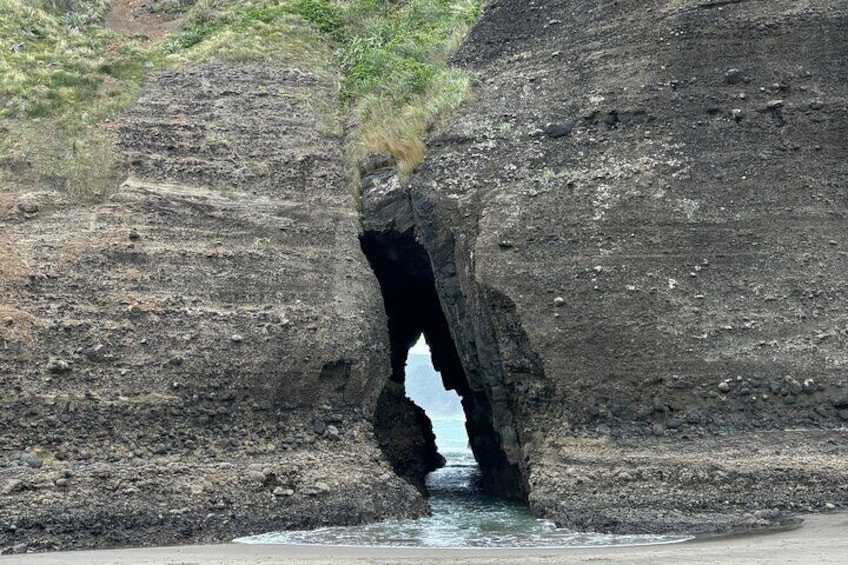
x=198 y=357
x=637 y=232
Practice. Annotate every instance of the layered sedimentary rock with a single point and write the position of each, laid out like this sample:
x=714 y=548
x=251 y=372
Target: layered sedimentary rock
x=637 y=233
x=627 y=255
x=199 y=356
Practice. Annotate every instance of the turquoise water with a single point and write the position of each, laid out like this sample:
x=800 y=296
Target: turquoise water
x=462 y=517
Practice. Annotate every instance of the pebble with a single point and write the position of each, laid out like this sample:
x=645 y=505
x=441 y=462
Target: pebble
x=734 y=76
x=724 y=386
x=236 y=338
x=95 y=354
x=31 y=460
x=694 y=417
x=265 y=404
x=316 y=489
x=555 y=131
x=319 y=427
x=59 y=366
x=794 y=386
x=559 y=301
x=28 y=207
x=282 y=491
x=840 y=401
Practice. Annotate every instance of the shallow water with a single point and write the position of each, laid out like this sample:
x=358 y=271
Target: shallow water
x=461 y=515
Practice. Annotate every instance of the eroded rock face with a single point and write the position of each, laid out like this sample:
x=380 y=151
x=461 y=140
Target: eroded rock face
x=213 y=320
x=634 y=234
x=423 y=296
x=638 y=231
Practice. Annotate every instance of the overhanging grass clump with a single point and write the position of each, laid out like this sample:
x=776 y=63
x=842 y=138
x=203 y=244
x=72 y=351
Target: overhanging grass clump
x=394 y=61
x=66 y=73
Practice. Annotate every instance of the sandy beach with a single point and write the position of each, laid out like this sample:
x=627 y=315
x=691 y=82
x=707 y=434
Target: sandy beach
x=821 y=539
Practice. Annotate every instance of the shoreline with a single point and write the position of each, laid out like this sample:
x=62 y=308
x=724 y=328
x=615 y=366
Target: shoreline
x=820 y=539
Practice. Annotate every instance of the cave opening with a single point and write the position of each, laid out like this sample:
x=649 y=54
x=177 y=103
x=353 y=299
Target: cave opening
x=415 y=311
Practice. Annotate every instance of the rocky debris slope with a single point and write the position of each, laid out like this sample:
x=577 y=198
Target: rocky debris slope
x=213 y=317
x=210 y=494
x=733 y=482
x=638 y=232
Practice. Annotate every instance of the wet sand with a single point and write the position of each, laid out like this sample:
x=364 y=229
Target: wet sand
x=822 y=539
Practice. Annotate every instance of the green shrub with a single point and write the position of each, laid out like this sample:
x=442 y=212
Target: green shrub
x=325 y=15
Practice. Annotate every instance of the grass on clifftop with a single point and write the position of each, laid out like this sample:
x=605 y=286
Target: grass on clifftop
x=391 y=57
x=396 y=74
x=62 y=73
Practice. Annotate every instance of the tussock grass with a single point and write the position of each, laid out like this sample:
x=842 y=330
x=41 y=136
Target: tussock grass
x=54 y=65
x=397 y=77
x=82 y=164
x=399 y=129
x=56 y=87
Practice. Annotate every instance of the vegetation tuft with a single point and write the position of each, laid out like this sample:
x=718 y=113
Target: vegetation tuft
x=62 y=73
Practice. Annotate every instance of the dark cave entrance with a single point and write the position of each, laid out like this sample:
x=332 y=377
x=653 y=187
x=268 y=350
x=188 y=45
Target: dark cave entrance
x=414 y=310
